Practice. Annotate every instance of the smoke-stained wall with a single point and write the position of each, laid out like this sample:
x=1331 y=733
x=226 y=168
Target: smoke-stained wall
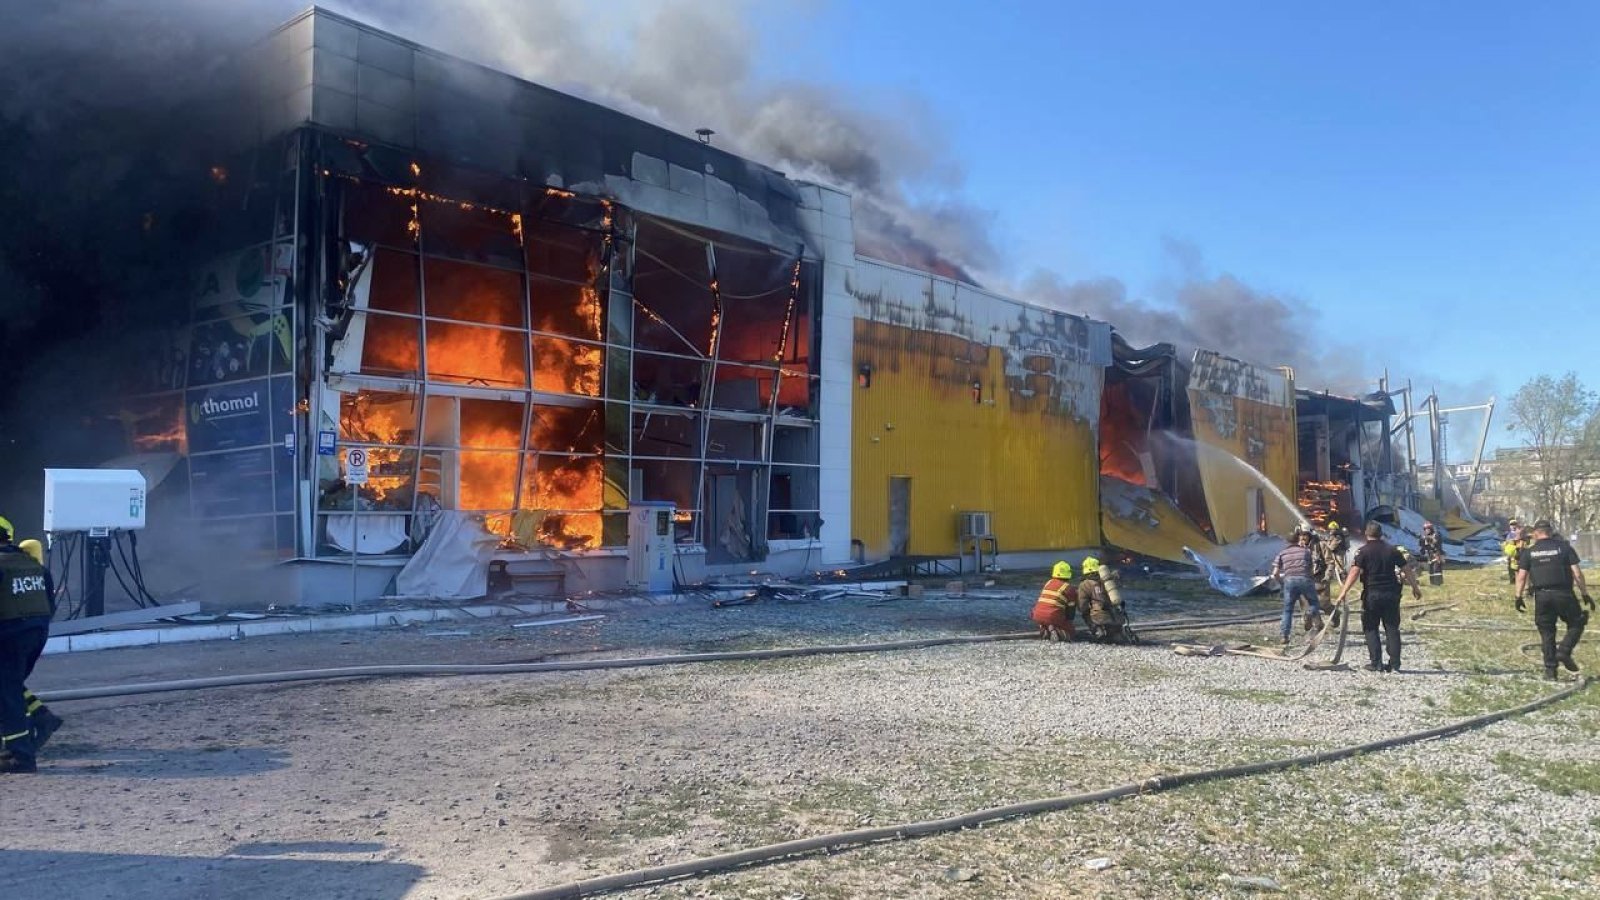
x=983 y=403
x=1246 y=413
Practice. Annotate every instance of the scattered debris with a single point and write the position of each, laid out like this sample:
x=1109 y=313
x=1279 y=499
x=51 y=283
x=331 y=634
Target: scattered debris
x=956 y=873
x=1252 y=883
x=446 y=633
x=566 y=621
x=1099 y=864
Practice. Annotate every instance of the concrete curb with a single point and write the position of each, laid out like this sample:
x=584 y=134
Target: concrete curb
x=183 y=634
x=360 y=621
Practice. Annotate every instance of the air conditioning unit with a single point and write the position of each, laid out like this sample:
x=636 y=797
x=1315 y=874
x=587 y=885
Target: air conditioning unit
x=976 y=524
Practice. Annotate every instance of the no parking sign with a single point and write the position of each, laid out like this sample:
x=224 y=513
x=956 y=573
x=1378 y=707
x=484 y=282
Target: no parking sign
x=355 y=466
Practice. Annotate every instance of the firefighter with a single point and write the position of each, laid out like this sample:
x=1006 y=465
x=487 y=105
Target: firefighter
x=43 y=721
x=24 y=626
x=1056 y=604
x=1431 y=548
x=1103 y=615
x=1512 y=549
x=1333 y=549
x=1550 y=567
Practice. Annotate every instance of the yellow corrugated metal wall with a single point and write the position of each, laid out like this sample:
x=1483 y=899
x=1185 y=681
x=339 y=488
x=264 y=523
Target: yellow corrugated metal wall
x=1012 y=453
x=1261 y=434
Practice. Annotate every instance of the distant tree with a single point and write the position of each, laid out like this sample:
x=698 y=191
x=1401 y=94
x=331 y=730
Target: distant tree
x=1559 y=419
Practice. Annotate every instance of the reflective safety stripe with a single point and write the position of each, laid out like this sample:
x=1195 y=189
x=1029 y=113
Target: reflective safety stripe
x=35 y=706
x=8 y=738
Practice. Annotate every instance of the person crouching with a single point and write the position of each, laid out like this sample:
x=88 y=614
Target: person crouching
x=1056 y=604
x=1103 y=615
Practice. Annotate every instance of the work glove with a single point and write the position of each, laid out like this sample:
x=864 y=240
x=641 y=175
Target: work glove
x=1522 y=605
x=1588 y=601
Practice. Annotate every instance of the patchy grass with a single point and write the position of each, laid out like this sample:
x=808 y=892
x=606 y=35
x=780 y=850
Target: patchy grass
x=1562 y=777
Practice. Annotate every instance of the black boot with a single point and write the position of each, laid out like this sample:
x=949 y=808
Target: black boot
x=45 y=723
x=1550 y=673
x=1374 y=652
x=16 y=764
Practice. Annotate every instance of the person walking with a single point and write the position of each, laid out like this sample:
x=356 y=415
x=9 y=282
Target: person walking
x=24 y=627
x=1293 y=567
x=1550 y=567
x=1381 y=569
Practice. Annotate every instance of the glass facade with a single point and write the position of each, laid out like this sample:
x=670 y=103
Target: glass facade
x=542 y=359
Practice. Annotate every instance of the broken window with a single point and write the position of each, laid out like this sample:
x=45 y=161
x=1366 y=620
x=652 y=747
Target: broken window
x=673 y=301
x=374 y=214
x=475 y=354
x=393 y=287
x=734 y=440
x=658 y=479
x=662 y=433
x=472 y=233
x=567 y=310
x=568 y=429
x=563 y=366
x=565 y=493
x=389 y=344
x=792 y=503
x=744 y=388
x=471 y=293
x=667 y=380
x=378 y=417
x=561 y=251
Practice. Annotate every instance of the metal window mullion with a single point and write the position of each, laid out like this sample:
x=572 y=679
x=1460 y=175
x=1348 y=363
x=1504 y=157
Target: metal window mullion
x=706 y=390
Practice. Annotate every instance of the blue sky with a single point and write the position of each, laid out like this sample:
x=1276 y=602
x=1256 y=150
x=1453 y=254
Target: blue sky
x=1426 y=176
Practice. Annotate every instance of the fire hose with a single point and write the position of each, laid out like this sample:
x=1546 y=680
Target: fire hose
x=829 y=843
x=441 y=669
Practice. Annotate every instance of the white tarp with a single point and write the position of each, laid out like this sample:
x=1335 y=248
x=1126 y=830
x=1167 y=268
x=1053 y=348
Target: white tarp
x=453 y=563
x=1224 y=580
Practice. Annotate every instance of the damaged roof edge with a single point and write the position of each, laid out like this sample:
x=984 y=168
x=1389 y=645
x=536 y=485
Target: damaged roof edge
x=967 y=287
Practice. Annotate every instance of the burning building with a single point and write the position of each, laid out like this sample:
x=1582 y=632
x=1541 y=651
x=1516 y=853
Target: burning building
x=521 y=306
x=531 y=312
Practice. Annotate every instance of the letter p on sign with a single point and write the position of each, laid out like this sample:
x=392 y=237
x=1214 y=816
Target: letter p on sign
x=355 y=466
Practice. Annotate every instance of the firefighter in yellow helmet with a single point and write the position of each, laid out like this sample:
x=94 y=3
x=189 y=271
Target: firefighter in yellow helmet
x=1057 y=602
x=24 y=627
x=1103 y=615
x=44 y=721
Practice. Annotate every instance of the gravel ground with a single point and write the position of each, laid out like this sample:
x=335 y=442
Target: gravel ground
x=474 y=787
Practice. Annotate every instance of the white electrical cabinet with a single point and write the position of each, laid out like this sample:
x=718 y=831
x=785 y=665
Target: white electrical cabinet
x=650 y=545
x=93 y=500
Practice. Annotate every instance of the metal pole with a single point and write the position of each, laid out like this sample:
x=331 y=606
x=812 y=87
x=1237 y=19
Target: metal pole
x=355 y=536
x=1411 y=446
x=1477 y=458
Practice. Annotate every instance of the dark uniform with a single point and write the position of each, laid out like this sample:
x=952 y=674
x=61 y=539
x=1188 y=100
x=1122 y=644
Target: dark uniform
x=1548 y=562
x=24 y=627
x=1380 y=563
x=1431 y=547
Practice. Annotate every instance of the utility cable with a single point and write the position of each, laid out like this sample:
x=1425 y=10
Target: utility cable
x=861 y=837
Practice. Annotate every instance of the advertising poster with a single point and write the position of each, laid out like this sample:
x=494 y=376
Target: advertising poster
x=229 y=416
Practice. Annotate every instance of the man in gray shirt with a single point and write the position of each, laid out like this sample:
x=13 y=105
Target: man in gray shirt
x=1293 y=567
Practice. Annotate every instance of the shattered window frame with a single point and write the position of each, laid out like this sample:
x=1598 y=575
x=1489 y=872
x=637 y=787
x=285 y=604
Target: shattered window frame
x=765 y=380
